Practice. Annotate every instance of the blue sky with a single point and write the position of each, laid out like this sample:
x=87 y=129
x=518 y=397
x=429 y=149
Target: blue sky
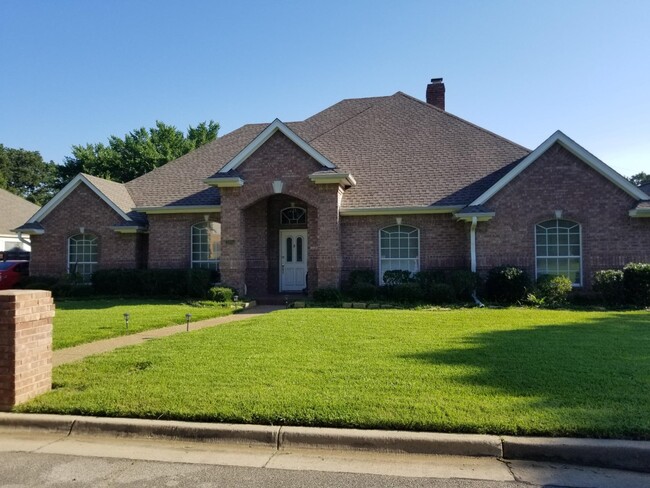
x=73 y=72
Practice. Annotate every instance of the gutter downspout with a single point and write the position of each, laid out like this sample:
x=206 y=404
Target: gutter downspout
x=23 y=240
x=472 y=253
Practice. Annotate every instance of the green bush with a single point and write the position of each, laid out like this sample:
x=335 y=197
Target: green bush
x=361 y=276
x=192 y=283
x=464 y=282
x=554 y=290
x=441 y=293
x=636 y=280
x=507 y=284
x=427 y=278
x=406 y=293
x=396 y=277
x=363 y=291
x=220 y=294
x=609 y=284
x=327 y=295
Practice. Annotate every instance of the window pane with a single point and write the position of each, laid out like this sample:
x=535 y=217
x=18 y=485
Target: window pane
x=289 y=250
x=299 y=249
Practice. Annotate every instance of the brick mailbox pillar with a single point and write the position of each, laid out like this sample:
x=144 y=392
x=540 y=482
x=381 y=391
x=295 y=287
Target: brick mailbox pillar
x=25 y=345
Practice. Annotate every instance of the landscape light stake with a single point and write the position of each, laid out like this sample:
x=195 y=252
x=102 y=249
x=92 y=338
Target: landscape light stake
x=235 y=298
x=126 y=320
x=188 y=316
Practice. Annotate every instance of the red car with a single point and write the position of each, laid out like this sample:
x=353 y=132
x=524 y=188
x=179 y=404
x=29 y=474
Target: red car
x=11 y=272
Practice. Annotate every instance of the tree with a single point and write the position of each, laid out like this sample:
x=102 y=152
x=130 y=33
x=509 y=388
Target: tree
x=640 y=179
x=26 y=174
x=140 y=151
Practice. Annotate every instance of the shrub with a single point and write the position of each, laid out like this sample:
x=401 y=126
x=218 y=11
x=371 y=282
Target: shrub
x=220 y=294
x=396 y=277
x=426 y=279
x=363 y=291
x=463 y=282
x=554 y=290
x=636 y=280
x=440 y=293
x=406 y=293
x=609 y=284
x=327 y=295
x=507 y=284
x=361 y=276
x=192 y=283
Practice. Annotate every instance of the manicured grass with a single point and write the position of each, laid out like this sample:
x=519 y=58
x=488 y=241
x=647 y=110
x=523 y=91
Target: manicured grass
x=514 y=371
x=80 y=321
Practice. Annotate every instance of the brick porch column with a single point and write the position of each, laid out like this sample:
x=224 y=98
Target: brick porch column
x=233 y=237
x=25 y=345
x=329 y=237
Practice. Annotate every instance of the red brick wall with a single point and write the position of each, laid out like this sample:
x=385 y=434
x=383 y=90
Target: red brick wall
x=82 y=208
x=444 y=242
x=249 y=229
x=560 y=181
x=25 y=345
x=170 y=239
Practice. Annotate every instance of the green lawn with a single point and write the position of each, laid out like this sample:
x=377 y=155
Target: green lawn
x=508 y=371
x=80 y=321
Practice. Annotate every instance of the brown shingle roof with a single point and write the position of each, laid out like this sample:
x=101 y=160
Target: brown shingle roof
x=15 y=211
x=401 y=151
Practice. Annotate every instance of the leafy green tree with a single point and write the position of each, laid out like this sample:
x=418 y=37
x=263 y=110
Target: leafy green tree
x=640 y=179
x=26 y=174
x=138 y=152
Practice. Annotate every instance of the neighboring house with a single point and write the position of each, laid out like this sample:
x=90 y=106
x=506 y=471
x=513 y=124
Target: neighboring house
x=645 y=188
x=382 y=183
x=14 y=211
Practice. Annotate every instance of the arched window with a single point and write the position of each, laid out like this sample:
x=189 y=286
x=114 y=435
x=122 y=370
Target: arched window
x=206 y=245
x=293 y=216
x=82 y=255
x=558 y=250
x=399 y=249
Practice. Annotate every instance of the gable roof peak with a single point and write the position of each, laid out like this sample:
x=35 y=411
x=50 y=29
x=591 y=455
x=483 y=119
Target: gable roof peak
x=276 y=126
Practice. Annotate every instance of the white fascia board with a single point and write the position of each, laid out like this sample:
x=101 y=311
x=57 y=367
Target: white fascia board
x=29 y=232
x=480 y=216
x=231 y=182
x=179 y=209
x=271 y=129
x=336 y=178
x=127 y=229
x=67 y=189
x=354 y=212
x=640 y=212
x=575 y=149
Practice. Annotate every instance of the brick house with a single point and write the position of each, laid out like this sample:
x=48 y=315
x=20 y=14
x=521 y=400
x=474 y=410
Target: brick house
x=382 y=183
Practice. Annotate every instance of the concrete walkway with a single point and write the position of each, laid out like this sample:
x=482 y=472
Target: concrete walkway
x=71 y=354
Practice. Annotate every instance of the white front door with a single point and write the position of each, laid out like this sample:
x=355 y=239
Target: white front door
x=293 y=260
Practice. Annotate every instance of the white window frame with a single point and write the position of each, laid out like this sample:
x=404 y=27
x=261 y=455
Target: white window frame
x=379 y=249
x=213 y=264
x=304 y=215
x=567 y=257
x=93 y=264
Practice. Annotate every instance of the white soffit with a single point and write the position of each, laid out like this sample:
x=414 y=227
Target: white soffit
x=575 y=149
x=67 y=189
x=271 y=129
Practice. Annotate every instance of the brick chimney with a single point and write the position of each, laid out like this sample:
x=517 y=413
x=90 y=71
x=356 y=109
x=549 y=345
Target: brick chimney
x=436 y=93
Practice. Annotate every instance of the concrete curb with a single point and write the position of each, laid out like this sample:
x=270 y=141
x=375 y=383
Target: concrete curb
x=391 y=441
x=606 y=453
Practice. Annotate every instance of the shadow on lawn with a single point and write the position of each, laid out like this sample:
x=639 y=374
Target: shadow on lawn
x=102 y=303
x=594 y=375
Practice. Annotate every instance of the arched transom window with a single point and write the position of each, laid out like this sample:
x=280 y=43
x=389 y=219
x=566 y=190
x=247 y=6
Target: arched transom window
x=293 y=216
x=399 y=249
x=558 y=249
x=206 y=245
x=82 y=255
